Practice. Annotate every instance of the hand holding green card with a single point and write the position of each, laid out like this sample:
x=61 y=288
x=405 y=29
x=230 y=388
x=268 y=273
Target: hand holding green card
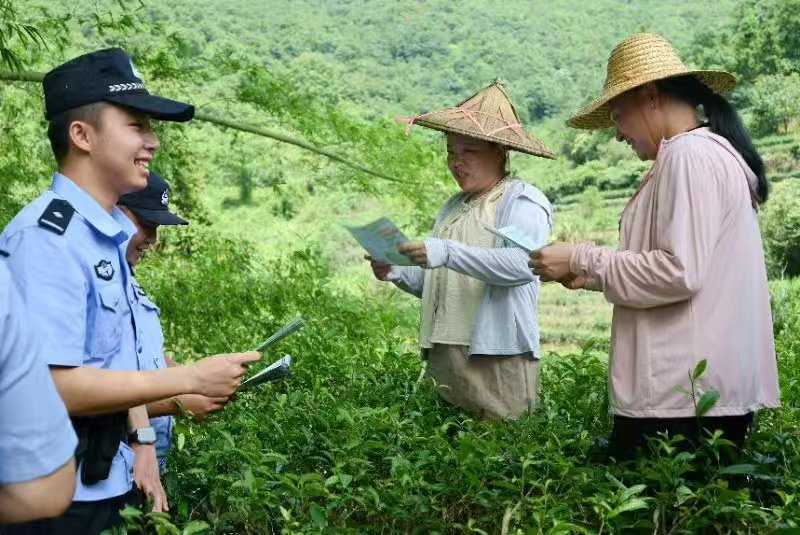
x=279 y=368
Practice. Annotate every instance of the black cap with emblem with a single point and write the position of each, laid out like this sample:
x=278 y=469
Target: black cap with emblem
x=152 y=203
x=106 y=76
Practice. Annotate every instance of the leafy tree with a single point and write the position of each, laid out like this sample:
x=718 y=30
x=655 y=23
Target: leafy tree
x=780 y=227
x=763 y=38
x=775 y=102
x=12 y=29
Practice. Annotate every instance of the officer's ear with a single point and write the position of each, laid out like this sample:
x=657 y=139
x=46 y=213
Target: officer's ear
x=72 y=129
x=82 y=135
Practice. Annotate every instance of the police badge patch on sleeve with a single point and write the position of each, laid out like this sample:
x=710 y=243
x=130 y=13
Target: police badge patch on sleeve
x=105 y=270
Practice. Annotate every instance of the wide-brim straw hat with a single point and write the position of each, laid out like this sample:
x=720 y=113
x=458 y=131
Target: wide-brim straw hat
x=639 y=59
x=487 y=115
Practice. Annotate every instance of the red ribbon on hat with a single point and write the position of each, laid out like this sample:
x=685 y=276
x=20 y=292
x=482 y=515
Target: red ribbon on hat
x=515 y=127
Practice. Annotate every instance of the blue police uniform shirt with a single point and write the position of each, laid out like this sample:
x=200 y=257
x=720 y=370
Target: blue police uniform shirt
x=148 y=326
x=76 y=290
x=36 y=436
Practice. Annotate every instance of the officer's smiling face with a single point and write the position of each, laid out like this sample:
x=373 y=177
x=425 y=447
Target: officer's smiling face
x=145 y=237
x=124 y=148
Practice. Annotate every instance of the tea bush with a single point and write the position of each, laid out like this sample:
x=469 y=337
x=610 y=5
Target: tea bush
x=356 y=442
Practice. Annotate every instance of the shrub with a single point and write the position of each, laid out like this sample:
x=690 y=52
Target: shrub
x=780 y=228
x=356 y=442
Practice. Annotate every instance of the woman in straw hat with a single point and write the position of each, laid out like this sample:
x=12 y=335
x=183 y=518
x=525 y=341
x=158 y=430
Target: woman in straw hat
x=478 y=328
x=688 y=282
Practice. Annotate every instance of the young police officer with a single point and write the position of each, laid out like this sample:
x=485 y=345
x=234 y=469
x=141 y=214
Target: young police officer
x=149 y=209
x=65 y=252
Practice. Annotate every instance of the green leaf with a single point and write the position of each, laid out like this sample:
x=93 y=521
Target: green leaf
x=632 y=505
x=131 y=512
x=707 y=401
x=740 y=469
x=285 y=514
x=785 y=497
x=181 y=441
x=632 y=491
x=566 y=527
x=318 y=516
x=195 y=526
x=699 y=369
x=345 y=479
x=681 y=390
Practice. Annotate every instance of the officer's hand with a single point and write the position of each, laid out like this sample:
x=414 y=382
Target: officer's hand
x=379 y=269
x=219 y=376
x=201 y=407
x=147 y=477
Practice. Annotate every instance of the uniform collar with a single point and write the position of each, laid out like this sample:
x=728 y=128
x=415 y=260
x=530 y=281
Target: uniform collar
x=115 y=225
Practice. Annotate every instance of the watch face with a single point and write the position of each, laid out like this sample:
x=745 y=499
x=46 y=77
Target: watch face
x=146 y=435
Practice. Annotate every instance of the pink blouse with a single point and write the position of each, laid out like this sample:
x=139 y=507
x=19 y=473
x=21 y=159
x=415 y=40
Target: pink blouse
x=688 y=283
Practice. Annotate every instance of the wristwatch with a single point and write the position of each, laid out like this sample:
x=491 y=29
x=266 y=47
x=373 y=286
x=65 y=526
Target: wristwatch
x=143 y=435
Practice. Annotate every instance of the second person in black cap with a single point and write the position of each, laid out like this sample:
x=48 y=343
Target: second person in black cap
x=149 y=209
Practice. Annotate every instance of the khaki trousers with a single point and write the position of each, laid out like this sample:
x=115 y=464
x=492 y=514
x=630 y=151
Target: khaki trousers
x=488 y=387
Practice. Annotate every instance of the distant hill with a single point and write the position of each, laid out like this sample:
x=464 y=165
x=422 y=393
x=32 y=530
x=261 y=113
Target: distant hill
x=384 y=57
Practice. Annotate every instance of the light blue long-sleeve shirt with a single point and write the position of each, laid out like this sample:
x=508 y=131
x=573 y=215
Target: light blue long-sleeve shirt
x=506 y=322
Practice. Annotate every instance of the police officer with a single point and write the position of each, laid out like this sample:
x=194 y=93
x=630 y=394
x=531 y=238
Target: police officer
x=37 y=443
x=149 y=209
x=66 y=253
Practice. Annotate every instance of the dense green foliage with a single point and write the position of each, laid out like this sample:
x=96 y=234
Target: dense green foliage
x=780 y=226
x=356 y=440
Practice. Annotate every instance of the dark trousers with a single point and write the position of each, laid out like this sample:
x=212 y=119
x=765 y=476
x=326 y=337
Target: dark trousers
x=82 y=518
x=629 y=435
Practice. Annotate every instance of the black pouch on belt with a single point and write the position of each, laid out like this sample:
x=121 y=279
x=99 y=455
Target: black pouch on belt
x=98 y=442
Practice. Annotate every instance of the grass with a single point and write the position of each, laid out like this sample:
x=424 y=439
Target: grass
x=568 y=318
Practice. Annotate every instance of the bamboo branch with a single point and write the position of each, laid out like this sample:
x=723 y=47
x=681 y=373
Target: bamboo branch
x=30 y=76
x=21 y=76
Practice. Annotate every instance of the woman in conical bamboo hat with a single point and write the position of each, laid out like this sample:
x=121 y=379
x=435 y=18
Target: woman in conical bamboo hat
x=478 y=328
x=688 y=282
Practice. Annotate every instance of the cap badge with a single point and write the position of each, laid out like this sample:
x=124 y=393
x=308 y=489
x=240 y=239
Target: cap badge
x=165 y=198
x=134 y=70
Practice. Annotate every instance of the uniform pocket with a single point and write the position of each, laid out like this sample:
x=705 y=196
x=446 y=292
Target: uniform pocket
x=107 y=325
x=148 y=304
x=152 y=338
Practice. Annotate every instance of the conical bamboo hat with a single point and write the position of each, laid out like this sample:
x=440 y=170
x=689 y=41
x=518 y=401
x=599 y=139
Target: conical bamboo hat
x=487 y=115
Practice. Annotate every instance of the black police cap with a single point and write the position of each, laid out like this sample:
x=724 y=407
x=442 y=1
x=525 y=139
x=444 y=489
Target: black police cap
x=106 y=76
x=152 y=203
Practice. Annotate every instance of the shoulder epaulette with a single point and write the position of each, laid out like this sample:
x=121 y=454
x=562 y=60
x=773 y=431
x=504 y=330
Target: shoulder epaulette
x=57 y=216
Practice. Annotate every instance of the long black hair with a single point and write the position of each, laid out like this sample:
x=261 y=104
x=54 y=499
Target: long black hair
x=722 y=119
